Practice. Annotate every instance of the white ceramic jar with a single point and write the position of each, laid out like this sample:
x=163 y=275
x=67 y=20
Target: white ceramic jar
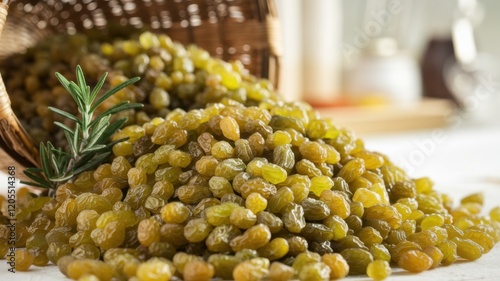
x=385 y=71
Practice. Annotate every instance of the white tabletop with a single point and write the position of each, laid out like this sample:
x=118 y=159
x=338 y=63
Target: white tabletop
x=460 y=161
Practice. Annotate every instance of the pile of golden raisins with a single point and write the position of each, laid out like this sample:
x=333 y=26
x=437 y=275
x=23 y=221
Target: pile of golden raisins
x=220 y=178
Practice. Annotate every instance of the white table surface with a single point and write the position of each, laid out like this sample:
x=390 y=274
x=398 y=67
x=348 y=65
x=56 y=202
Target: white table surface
x=463 y=161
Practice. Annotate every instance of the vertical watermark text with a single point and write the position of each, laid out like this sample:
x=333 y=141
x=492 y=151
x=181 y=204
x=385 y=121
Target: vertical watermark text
x=11 y=209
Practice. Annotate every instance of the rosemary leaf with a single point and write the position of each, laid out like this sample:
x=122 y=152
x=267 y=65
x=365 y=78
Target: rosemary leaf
x=98 y=87
x=62 y=178
x=80 y=79
x=124 y=105
x=113 y=91
x=98 y=131
x=95 y=148
x=45 y=159
x=64 y=82
x=76 y=140
x=37 y=180
x=64 y=127
x=113 y=128
x=64 y=114
x=92 y=164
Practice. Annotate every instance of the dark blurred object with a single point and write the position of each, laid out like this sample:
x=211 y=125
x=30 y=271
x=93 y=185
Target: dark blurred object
x=451 y=68
x=437 y=56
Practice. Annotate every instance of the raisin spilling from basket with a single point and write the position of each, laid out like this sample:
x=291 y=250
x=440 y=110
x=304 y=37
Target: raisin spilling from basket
x=220 y=178
x=173 y=76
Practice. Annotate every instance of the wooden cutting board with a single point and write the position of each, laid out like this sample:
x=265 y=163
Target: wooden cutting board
x=370 y=120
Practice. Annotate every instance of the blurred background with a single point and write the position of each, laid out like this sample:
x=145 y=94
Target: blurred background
x=392 y=65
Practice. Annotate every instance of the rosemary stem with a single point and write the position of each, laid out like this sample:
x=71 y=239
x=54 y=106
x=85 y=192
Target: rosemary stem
x=89 y=142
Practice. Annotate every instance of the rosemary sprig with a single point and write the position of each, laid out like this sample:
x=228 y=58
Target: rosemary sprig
x=88 y=141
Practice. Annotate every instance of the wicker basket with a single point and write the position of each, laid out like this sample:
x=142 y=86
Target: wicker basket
x=230 y=29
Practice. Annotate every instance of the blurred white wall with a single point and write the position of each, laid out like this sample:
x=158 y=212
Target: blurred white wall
x=421 y=19
x=488 y=33
x=413 y=26
x=311 y=63
x=289 y=13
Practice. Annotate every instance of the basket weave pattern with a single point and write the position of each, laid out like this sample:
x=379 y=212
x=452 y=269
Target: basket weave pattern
x=229 y=29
